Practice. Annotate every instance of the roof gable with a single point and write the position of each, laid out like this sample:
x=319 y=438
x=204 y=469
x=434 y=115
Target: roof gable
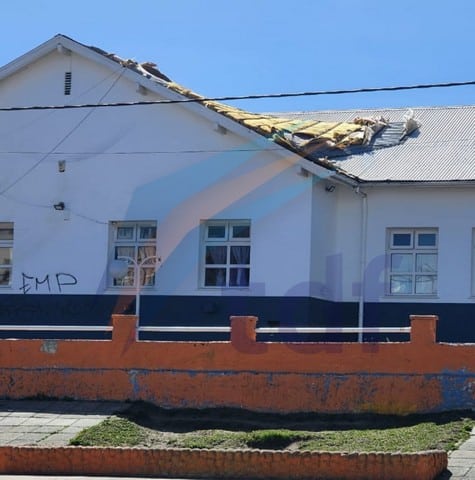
x=313 y=139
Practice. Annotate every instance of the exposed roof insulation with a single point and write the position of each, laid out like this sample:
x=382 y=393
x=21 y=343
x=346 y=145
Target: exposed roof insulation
x=314 y=139
x=324 y=141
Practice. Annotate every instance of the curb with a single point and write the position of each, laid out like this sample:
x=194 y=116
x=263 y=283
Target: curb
x=247 y=464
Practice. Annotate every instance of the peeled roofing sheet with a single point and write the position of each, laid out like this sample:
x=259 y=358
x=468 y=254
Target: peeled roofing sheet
x=443 y=149
x=337 y=132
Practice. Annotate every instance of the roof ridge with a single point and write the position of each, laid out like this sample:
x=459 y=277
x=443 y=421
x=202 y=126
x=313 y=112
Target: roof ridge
x=376 y=109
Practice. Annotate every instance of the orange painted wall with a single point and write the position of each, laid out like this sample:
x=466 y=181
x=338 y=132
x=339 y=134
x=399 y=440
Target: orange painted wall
x=416 y=376
x=223 y=464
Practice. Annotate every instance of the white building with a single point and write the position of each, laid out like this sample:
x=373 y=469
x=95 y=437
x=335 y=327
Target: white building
x=219 y=212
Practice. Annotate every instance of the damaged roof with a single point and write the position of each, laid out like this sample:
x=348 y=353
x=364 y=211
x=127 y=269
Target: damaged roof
x=429 y=144
x=317 y=139
x=442 y=150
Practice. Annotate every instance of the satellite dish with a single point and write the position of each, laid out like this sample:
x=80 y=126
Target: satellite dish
x=118 y=268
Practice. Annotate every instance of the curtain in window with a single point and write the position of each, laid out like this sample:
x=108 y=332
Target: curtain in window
x=240 y=256
x=216 y=255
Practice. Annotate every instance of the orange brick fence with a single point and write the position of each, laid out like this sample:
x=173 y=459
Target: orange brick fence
x=416 y=376
x=220 y=464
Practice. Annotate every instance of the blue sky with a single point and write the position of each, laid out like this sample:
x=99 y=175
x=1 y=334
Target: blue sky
x=240 y=47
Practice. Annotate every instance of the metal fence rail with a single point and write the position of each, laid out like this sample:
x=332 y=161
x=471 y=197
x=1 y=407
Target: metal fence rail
x=203 y=329
x=186 y=329
x=57 y=328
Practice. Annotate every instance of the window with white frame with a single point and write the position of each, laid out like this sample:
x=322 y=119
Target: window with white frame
x=6 y=253
x=226 y=253
x=412 y=257
x=135 y=243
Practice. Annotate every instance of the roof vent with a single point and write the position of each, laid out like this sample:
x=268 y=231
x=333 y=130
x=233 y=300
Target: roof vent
x=67 y=83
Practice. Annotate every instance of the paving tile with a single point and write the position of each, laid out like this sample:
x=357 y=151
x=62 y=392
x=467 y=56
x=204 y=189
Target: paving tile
x=44 y=415
x=6 y=438
x=28 y=439
x=33 y=421
x=88 y=422
x=60 y=421
x=56 y=440
x=463 y=453
x=45 y=429
x=4 y=421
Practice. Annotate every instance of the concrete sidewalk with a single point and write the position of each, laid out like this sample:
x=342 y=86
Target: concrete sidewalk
x=462 y=462
x=47 y=423
x=50 y=423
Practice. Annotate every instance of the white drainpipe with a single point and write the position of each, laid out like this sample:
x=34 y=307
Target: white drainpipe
x=364 y=237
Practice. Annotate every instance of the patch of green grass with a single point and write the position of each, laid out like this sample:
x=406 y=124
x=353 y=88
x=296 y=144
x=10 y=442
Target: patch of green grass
x=262 y=439
x=209 y=439
x=112 y=432
x=362 y=434
x=413 y=438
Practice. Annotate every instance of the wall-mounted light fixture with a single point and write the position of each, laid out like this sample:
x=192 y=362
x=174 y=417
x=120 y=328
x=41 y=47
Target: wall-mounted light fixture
x=299 y=170
x=59 y=206
x=62 y=49
x=61 y=166
x=220 y=129
x=140 y=89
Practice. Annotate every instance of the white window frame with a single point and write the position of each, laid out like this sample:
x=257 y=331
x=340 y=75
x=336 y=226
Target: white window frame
x=228 y=240
x=7 y=243
x=413 y=250
x=140 y=267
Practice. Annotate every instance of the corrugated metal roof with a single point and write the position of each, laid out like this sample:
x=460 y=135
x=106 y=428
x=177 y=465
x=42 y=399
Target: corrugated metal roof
x=313 y=138
x=442 y=149
x=371 y=145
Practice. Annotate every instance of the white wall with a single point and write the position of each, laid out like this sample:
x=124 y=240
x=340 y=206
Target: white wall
x=450 y=209
x=163 y=163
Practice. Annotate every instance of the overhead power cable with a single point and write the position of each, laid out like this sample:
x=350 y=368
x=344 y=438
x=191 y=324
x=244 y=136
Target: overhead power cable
x=243 y=97
x=63 y=139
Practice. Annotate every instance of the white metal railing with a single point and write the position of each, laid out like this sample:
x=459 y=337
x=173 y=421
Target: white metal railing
x=333 y=330
x=185 y=329
x=57 y=328
x=203 y=329
x=191 y=329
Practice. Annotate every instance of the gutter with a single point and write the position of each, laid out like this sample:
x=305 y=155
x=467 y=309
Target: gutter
x=363 y=243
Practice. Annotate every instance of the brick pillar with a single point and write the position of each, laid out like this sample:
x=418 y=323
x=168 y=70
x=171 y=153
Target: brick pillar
x=243 y=330
x=124 y=328
x=423 y=329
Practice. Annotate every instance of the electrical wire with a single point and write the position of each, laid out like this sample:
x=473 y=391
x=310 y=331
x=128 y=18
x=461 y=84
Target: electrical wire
x=63 y=139
x=242 y=97
x=42 y=117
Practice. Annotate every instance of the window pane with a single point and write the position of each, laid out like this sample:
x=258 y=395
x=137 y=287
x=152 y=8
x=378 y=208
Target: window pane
x=426 y=239
x=216 y=231
x=125 y=252
x=147 y=233
x=127 y=281
x=401 y=262
x=125 y=233
x=5 y=274
x=215 y=277
x=147 y=252
x=6 y=233
x=401 y=284
x=426 y=262
x=240 y=255
x=402 y=239
x=147 y=276
x=5 y=256
x=216 y=255
x=241 y=231
x=426 y=284
x=239 y=277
